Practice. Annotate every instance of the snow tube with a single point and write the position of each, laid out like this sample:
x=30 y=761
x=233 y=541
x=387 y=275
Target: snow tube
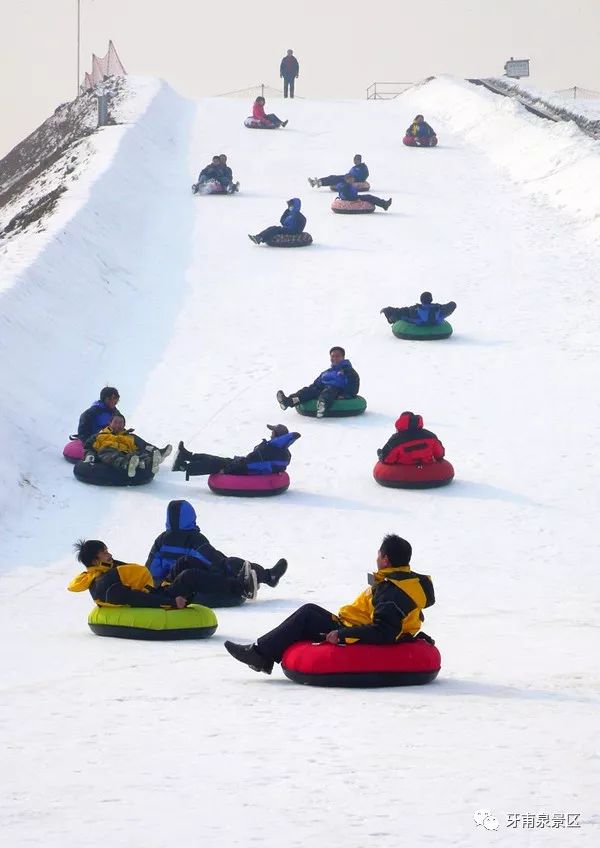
x=421 y=332
x=193 y=622
x=255 y=124
x=352 y=207
x=290 y=240
x=74 y=450
x=425 y=476
x=99 y=474
x=365 y=186
x=410 y=663
x=411 y=141
x=249 y=485
x=340 y=408
x=210 y=187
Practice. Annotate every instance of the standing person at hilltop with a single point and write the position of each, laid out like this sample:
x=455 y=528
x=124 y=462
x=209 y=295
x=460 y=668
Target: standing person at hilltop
x=289 y=71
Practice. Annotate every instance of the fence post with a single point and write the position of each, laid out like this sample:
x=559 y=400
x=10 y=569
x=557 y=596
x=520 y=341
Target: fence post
x=102 y=110
x=262 y=89
x=574 y=92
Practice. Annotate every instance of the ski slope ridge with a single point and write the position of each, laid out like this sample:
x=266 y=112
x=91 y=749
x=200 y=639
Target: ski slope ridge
x=162 y=294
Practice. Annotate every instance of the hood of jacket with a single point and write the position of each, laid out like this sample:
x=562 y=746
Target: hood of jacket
x=181 y=515
x=295 y=203
x=409 y=421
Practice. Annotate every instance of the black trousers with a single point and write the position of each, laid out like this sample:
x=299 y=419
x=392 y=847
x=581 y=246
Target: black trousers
x=206 y=463
x=327 y=394
x=288 y=83
x=310 y=622
x=228 y=570
x=332 y=179
x=372 y=199
x=267 y=234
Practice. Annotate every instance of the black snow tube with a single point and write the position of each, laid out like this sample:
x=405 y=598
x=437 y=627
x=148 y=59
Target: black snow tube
x=100 y=474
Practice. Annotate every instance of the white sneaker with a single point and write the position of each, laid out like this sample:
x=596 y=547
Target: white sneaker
x=156 y=460
x=312 y=181
x=89 y=457
x=132 y=465
x=250 y=581
x=320 y=408
x=165 y=452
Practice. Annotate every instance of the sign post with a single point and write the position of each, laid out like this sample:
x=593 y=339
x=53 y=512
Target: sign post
x=516 y=68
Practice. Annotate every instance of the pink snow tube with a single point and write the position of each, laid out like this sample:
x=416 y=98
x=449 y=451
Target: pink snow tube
x=74 y=450
x=249 y=485
x=411 y=141
x=352 y=207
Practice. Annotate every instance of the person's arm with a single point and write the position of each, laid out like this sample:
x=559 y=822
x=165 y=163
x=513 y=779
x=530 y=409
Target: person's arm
x=391 y=606
x=391 y=443
x=281 y=68
x=297 y=68
x=85 y=428
x=123 y=595
x=352 y=382
x=448 y=309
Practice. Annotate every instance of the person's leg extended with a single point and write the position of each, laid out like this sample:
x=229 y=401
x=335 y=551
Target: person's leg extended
x=267 y=234
x=332 y=179
x=377 y=201
x=205 y=463
x=310 y=622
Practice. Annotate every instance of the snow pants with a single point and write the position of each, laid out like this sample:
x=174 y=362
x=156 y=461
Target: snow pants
x=309 y=623
x=225 y=574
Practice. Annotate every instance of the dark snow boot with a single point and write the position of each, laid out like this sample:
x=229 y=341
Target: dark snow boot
x=274 y=575
x=249 y=655
x=284 y=401
x=181 y=457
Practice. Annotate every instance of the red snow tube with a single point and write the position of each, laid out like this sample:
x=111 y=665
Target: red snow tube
x=74 y=450
x=411 y=141
x=255 y=124
x=352 y=207
x=426 y=476
x=365 y=186
x=249 y=485
x=409 y=663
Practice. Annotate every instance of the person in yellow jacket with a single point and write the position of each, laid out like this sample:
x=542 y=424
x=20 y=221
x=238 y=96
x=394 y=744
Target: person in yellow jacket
x=389 y=610
x=116 y=446
x=113 y=583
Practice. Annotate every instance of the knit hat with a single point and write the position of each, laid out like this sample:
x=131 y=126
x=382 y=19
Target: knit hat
x=426 y=297
x=278 y=429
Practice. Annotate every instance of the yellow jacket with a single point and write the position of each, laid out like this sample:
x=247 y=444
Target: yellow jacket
x=389 y=608
x=123 y=442
x=127 y=584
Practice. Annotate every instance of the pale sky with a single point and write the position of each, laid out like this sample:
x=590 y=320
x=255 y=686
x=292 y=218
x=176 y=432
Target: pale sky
x=342 y=46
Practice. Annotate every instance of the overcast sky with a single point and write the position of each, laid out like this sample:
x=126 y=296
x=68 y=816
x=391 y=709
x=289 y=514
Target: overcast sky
x=342 y=45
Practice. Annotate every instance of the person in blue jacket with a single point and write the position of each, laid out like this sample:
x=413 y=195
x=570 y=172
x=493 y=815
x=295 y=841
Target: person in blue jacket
x=269 y=457
x=292 y=221
x=347 y=191
x=183 y=546
x=99 y=414
x=339 y=380
x=359 y=171
x=424 y=313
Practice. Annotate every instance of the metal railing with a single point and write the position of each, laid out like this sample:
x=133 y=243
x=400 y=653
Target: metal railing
x=386 y=90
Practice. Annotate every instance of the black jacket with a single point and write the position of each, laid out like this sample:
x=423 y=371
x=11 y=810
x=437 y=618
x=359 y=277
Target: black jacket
x=289 y=67
x=402 y=437
x=437 y=312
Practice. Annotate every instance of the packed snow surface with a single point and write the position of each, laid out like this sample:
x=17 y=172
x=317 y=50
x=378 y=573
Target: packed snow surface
x=161 y=293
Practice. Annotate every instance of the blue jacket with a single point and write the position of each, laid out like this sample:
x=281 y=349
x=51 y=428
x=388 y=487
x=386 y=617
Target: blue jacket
x=347 y=191
x=181 y=538
x=359 y=172
x=430 y=314
x=293 y=220
x=342 y=377
x=422 y=130
x=94 y=419
x=269 y=457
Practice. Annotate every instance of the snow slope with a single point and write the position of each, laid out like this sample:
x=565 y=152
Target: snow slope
x=162 y=294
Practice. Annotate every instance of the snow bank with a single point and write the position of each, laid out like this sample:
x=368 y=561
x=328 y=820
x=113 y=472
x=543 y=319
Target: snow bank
x=555 y=163
x=68 y=284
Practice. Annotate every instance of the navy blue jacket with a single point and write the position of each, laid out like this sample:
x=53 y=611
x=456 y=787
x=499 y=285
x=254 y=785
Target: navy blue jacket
x=181 y=538
x=342 y=377
x=359 y=172
x=347 y=191
x=293 y=220
x=211 y=172
x=421 y=314
x=94 y=419
x=269 y=457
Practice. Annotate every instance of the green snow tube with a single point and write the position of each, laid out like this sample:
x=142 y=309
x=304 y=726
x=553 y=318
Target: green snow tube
x=421 y=332
x=193 y=622
x=340 y=408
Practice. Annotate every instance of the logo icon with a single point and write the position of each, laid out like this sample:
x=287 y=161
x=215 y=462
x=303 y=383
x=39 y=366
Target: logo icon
x=484 y=818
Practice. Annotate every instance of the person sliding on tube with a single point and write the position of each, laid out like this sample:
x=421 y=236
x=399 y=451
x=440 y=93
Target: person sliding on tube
x=116 y=446
x=411 y=444
x=359 y=171
x=99 y=414
x=388 y=611
x=269 y=457
x=182 y=546
x=420 y=134
x=258 y=113
x=347 y=191
x=292 y=222
x=340 y=380
x=424 y=313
